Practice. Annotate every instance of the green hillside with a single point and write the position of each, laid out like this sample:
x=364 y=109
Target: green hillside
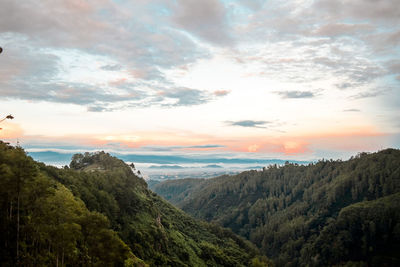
x=178 y=191
x=98 y=213
x=327 y=213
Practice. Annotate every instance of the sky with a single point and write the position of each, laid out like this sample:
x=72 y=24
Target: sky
x=296 y=79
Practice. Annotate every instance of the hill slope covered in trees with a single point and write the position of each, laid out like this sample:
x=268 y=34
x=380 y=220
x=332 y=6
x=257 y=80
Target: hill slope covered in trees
x=326 y=213
x=98 y=213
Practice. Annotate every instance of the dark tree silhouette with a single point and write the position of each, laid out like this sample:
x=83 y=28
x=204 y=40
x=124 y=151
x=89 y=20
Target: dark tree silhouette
x=10 y=117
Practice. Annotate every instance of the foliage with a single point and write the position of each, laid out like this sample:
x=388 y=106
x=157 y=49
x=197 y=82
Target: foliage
x=97 y=212
x=177 y=191
x=292 y=212
x=42 y=223
x=366 y=231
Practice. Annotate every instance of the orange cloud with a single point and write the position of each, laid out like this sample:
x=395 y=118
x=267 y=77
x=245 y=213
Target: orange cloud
x=142 y=139
x=272 y=146
x=292 y=146
x=253 y=148
x=356 y=139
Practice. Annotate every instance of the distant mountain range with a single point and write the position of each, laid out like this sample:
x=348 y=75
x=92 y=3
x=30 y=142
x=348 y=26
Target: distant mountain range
x=58 y=157
x=210 y=166
x=166 y=167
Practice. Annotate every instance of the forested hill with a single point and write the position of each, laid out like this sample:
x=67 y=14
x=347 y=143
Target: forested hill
x=97 y=212
x=326 y=213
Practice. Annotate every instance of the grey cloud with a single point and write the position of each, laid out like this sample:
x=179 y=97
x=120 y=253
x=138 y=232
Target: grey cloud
x=98 y=98
x=319 y=59
x=276 y=23
x=368 y=94
x=383 y=42
x=99 y=109
x=173 y=148
x=111 y=67
x=357 y=70
x=331 y=29
x=157 y=148
x=374 y=23
x=64 y=21
x=145 y=43
x=185 y=96
x=253 y=4
x=18 y=61
x=207 y=146
x=96 y=109
x=337 y=29
x=326 y=61
x=73 y=93
x=364 y=74
x=134 y=39
x=380 y=10
x=248 y=123
x=345 y=85
x=205 y=19
x=352 y=110
x=393 y=38
x=32 y=34
x=36 y=79
x=296 y=94
x=394 y=68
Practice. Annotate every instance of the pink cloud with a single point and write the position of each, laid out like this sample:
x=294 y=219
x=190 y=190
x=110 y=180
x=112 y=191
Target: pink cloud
x=118 y=82
x=221 y=92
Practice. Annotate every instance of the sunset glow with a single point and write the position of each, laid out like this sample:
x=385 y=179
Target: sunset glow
x=269 y=79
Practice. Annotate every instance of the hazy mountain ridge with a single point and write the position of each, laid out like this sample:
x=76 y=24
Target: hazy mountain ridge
x=290 y=212
x=174 y=166
x=153 y=231
x=54 y=156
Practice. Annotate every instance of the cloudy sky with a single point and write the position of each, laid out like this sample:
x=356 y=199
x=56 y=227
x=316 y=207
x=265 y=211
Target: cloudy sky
x=285 y=79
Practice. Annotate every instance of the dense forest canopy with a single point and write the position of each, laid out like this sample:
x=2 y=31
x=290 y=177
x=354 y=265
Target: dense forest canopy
x=43 y=223
x=97 y=212
x=326 y=213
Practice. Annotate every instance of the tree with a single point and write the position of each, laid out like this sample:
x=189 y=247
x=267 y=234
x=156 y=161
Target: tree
x=24 y=170
x=10 y=117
